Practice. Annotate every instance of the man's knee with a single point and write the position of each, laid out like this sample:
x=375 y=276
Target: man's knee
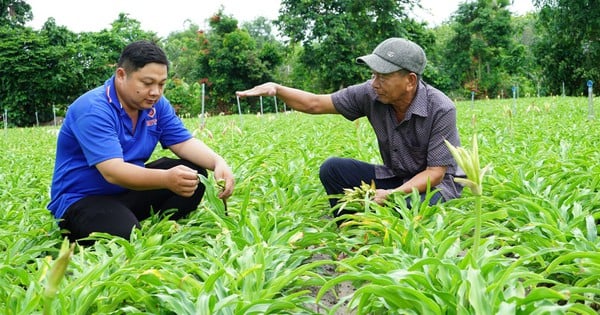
x=329 y=167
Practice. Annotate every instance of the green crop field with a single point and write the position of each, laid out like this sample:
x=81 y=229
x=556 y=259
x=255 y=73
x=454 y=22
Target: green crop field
x=277 y=251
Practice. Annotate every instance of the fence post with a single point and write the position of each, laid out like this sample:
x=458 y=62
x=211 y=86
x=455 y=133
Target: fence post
x=514 y=91
x=472 y=99
x=261 y=105
x=202 y=110
x=239 y=108
x=54 y=114
x=590 y=84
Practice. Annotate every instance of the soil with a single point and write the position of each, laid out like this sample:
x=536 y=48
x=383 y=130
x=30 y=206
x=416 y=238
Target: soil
x=333 y=296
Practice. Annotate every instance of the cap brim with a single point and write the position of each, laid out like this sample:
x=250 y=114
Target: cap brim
x=378 y=64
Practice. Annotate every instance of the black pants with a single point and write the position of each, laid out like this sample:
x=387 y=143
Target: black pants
x=119 y=214
x=339 y=173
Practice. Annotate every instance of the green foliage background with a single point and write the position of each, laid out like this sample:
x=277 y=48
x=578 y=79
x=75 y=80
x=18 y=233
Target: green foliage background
x=483 y=48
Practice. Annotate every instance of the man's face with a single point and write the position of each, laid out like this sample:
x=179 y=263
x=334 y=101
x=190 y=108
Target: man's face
x=143 y=88
x=391 y=87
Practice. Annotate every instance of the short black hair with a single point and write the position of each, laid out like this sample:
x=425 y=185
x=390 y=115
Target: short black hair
x=139 y=53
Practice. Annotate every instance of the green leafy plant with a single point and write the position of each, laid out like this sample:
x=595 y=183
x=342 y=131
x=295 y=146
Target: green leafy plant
x=56 y=274
x=469 y=162
x=278 y=251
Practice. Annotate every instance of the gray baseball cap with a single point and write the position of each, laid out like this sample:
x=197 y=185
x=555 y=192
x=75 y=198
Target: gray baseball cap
x=394 y=54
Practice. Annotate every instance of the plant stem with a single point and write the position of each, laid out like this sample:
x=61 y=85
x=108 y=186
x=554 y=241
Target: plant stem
x=477 y=233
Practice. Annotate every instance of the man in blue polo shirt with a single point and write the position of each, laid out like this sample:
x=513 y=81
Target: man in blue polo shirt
x=411 y=120
x=101 y=181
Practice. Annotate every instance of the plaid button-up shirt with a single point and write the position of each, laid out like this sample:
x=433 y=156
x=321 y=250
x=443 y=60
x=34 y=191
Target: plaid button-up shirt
x=411 y=145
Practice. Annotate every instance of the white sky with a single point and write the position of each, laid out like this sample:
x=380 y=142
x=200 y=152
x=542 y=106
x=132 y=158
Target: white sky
x=168 y=16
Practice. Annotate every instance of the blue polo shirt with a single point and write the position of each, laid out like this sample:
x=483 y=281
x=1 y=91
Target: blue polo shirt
x=96 y=128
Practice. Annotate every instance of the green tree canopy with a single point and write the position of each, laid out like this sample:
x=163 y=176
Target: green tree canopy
x=568 y=44
x=14 y=13
x=333 y=33
x=50 y=68
x=483 y=55
x=225 y=58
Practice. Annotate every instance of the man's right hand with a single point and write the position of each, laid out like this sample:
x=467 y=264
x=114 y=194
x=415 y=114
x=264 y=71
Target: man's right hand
x=182 y=180
x=266 y=89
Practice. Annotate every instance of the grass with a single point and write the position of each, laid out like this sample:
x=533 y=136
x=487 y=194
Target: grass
x=538 y=252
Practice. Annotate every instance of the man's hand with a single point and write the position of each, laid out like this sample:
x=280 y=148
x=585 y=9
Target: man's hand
x=381 y=195
x=224 y=176
x=182 y=180
x=266 y=89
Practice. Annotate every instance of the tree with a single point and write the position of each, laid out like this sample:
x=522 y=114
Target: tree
x=482 y=51
x=569 y=43
x=531 y=76
x=271 y=51
x=183 y=50
x=333 y=33
x=49 y=69
x=41 y=69
x=184 y=97
x=260 y=29
x=232 y=61
x=437 y=70
x=23 y=57
x=224 y=58
x=14 y=13
x=130 y=29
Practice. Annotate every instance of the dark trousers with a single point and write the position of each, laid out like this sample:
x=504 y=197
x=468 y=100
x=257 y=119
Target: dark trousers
x=339 y=173
x=119 y=214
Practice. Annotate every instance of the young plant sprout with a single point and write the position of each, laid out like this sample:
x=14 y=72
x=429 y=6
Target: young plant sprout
x=56 y=274
x=469 y=162
x=365 y=192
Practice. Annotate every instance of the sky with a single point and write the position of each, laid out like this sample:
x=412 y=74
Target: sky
x=164 y=17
